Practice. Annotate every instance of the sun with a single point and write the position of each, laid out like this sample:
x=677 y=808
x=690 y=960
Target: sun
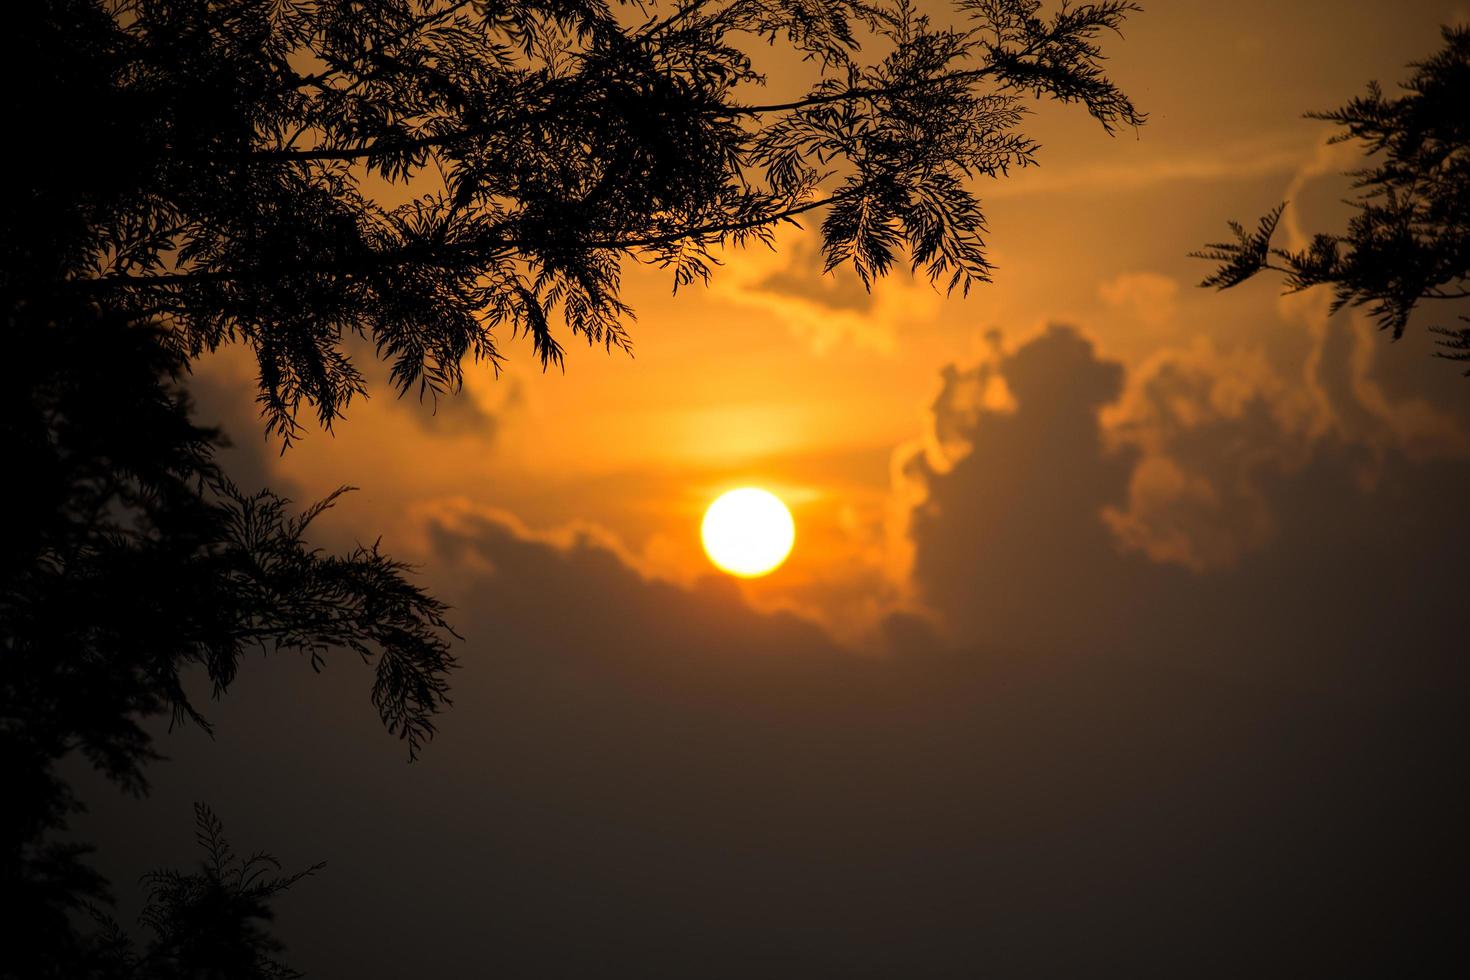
x=748 y=532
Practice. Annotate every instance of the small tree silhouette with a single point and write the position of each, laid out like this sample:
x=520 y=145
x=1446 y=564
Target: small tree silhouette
x=1410 y=238
x=209 y=924
x=133 y=566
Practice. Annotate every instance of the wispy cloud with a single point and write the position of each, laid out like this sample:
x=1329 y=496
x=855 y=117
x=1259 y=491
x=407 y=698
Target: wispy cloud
x=1244 y=160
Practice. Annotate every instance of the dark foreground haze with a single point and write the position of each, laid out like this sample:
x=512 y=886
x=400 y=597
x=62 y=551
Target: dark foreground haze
x=1250 y=771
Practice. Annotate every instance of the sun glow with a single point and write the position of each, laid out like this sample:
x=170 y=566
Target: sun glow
x=748 y=532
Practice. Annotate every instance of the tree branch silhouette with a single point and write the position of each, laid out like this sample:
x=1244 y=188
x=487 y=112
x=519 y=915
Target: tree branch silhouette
x=238 y=197
x=1410 y=238
x=567 y=141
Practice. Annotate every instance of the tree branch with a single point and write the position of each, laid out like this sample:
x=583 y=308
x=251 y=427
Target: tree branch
x=854 y=94
x=439 y=255
x=449 y=139
x=417 y=25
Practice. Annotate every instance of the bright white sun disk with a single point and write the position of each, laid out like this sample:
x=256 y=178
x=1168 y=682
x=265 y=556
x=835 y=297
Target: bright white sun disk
x=748 y=532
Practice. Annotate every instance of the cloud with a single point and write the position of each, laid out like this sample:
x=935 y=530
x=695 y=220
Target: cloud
x=476 y=410
x=825 y=310
x=455 y=413
x=1207 y=482
x=1015 y=495
x=1240 y=160
x=1147 y=298
x=1207 y=427
x=801 y=277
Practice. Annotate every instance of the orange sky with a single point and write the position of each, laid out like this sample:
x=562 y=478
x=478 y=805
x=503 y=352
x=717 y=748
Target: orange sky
x=779 y=377
x=1171 y=600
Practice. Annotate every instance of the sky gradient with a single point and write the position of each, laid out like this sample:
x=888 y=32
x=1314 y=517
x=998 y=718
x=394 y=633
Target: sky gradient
x=1124 y=622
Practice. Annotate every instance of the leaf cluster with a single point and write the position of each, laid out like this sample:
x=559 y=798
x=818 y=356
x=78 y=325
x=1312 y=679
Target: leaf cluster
x=541 y=144
x=137 y=571
x=211 y=922
x=1409 y=238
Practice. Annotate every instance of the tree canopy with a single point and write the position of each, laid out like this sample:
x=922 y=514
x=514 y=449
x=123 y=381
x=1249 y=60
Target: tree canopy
x=136 y=577
x=1410 y=238
x=426 y=174
x=212 y=922
x=542 y=142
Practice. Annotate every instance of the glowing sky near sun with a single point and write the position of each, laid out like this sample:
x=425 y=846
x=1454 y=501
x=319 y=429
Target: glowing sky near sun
x=1138 y=641
x=775 y=377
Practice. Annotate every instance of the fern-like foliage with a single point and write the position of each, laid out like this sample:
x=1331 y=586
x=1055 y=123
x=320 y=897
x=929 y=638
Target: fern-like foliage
x=210 y=922
x=135 y=573
x=1454 y=343
x=542 y=144
x=1409 y=240
x=225 y=175
x=1247 y=255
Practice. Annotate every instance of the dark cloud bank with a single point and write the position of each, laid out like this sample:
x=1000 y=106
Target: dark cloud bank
x=1118 y=766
